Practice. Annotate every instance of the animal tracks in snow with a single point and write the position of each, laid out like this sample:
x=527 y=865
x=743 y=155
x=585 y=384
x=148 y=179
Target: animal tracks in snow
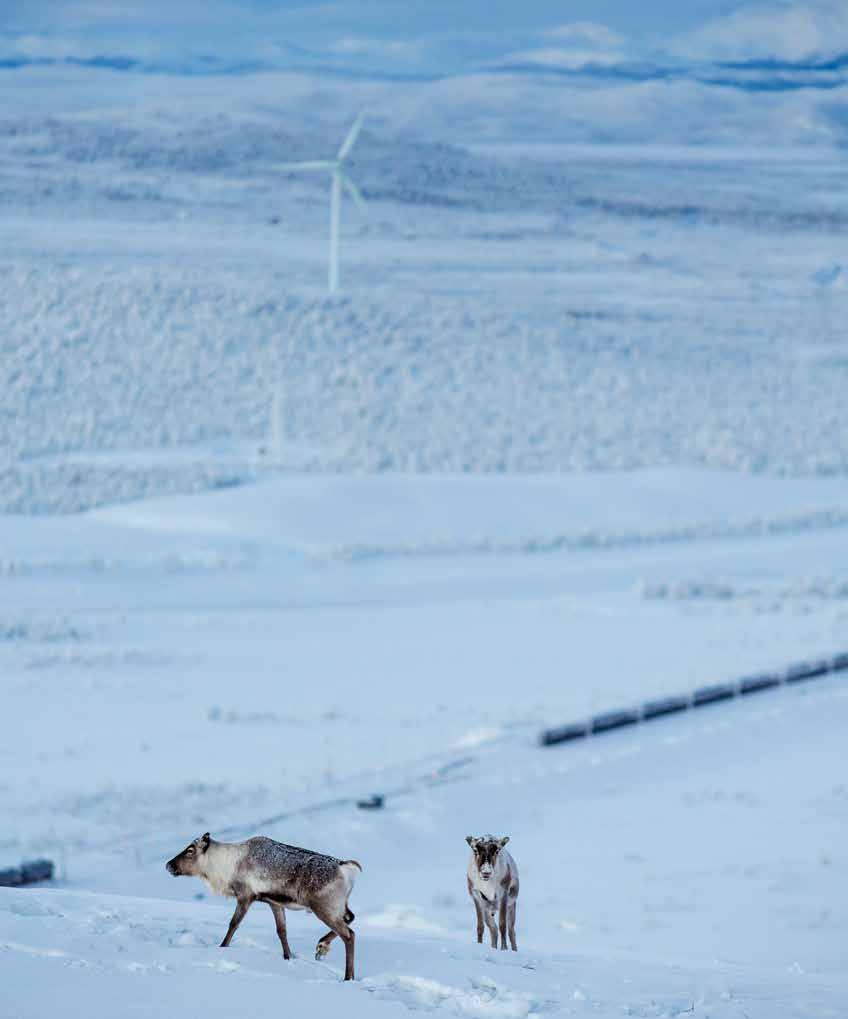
x=478 y=998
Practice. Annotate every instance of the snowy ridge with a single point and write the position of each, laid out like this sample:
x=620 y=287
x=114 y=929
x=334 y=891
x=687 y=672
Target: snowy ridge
x=811 y=520
x=290 y=522
x=753 y=75
x=718 y=104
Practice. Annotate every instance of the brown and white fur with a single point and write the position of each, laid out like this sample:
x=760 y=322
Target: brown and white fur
x=493 y=887
x=284 y=877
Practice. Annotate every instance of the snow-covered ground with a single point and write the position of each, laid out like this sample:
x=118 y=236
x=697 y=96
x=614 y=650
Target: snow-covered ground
x=258 y=659
x=506 y=307
x=664 y=873
x=512 y=310
x=574 y=435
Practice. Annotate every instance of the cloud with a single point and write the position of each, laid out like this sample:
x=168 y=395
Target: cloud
x=779 y=31
x=394 y=49
x=575 y=45
x=566 y=59
x=40 y=47
x=585 y=33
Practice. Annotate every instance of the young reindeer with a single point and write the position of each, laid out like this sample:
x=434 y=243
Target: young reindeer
x=493 y=887
x=284 y=877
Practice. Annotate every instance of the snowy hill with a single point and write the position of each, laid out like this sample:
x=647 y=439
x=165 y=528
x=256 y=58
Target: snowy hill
x=506 y=308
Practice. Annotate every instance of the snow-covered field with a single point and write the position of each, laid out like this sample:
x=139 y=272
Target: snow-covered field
x=258 y=659
x=574 y=434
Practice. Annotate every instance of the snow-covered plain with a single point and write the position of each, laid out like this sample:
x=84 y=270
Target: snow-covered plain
x=574 y=435
x=258 y=659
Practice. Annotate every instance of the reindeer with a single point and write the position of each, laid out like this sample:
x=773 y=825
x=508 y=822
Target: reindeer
x=284 y=877
x=493 y=887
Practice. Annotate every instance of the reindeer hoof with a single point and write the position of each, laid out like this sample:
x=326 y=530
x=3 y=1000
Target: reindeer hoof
x=321 y=951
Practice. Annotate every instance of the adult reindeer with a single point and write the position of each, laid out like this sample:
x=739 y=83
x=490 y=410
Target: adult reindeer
x=284 y=877
x=493 y=887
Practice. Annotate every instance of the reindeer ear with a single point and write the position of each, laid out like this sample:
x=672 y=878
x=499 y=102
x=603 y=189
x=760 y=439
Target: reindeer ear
x=203 y=842
x=470 y=840
x=504 y=841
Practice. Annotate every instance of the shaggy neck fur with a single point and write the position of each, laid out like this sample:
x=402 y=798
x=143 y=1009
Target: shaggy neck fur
x=218 y=866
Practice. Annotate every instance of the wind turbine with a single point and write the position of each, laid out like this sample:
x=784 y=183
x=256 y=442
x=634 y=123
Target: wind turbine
x=338 y=180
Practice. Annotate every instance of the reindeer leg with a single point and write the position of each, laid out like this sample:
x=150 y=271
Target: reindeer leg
x=477 y=910
x=324 y=943
x=479 y=922
x=493 y=929
x=338 y=926
x=502 y=922
x=350 y=944
x=280 y=921
x=242 y=906
x=511 y=922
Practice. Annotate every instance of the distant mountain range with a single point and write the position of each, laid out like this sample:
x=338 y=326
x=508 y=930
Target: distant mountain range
x=756 y=75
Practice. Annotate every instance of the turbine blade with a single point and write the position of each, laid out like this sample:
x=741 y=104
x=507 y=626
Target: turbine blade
x=315 y=164
x=353 y=191
x=352 y=135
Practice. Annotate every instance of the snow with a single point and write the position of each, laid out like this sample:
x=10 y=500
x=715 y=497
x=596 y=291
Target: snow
x=574 y=436
x=508 y=307
x=621 y=909
x=269 y=694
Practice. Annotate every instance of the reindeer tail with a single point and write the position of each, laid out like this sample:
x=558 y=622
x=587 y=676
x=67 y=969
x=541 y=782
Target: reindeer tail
x=351 y=870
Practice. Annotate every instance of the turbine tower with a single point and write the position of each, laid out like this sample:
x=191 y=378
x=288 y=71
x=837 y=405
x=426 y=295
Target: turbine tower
x=338 y=180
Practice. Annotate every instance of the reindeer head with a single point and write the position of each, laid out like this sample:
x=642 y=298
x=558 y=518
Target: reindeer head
x=187 y=863
x=486 y=850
